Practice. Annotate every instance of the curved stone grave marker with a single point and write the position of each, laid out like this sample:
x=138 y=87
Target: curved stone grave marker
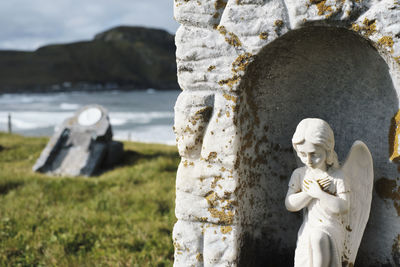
x=81 y=146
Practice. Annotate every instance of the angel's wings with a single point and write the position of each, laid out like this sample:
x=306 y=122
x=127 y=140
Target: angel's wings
x=359 y=175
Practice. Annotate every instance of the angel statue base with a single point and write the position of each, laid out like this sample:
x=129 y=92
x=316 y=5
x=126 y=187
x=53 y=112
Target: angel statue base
x=335 y=199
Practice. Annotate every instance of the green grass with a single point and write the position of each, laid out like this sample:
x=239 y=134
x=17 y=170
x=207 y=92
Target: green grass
x=123 y=217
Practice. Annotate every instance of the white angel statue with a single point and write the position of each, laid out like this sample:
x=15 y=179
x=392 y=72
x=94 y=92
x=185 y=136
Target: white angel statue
x=335 y=200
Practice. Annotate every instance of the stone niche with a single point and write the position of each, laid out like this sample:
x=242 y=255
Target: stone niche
x=250 y=70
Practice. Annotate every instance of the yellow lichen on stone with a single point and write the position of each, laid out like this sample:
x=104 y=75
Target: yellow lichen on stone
x=226 y=229
x=203 y=114
x=394 y=136
x=225 y=215
x=386 y=41
x=241 y=62
x=211 y=198
x=219 y=4
x=188 y=130
x=177 y=245
x=187 y=163
x=212 y=155
x=322 y=7
x=216 y=179
x=278 y=23
x=199 y=257
x=263 y=36
x=221 y=29
x=397 y=59
x=203 y=219
x=355 y=27
x=233 y=40
x=230 y=97
x=211 y=68
x=230 y=81
x=369 y=26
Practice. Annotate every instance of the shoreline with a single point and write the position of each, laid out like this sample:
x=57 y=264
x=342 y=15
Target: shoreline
x=137 y=115
x=4 y=133
x=93 y=89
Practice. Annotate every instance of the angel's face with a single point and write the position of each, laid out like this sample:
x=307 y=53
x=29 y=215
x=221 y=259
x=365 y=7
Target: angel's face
x=313 y=156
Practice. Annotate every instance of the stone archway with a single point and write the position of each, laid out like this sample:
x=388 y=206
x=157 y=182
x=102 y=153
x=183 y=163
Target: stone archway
x=329 y=73
x=229 y=211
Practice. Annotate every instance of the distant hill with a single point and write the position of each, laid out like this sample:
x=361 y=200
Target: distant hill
x=122 y=57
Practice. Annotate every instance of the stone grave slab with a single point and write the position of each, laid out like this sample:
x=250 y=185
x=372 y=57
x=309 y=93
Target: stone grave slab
x=81 y=145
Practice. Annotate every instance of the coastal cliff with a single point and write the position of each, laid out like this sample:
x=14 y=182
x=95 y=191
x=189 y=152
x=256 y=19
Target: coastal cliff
x=120 y=58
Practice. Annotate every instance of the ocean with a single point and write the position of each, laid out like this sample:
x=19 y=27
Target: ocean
x=144 y=116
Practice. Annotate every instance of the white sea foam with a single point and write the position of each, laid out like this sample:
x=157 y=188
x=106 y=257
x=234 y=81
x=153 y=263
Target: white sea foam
x=151 y=91
x=26 y=120
x=138 y=117
x=141 y=115
x=148 y=134
x=37 y=119
x=117 y=121
x=30 y=98
x=69 y=106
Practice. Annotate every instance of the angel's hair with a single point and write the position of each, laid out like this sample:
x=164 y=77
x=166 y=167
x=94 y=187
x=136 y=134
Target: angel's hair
x=317 y=132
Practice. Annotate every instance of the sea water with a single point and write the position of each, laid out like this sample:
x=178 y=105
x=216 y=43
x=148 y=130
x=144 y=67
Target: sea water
x=144 y=116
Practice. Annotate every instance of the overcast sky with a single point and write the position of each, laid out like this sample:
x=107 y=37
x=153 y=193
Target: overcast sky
x=29 y=24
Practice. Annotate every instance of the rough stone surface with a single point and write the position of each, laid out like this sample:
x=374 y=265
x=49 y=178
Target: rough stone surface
x=250 y=71
x=81 y=145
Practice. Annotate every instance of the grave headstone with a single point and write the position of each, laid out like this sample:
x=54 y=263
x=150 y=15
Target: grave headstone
x=81 y=145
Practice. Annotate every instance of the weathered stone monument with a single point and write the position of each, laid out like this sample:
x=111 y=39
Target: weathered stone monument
x=250 y=71
x=81 y=145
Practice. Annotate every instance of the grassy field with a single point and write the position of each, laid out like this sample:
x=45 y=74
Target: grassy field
x=123 y=217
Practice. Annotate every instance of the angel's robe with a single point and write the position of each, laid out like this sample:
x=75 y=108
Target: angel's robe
x=316 y=218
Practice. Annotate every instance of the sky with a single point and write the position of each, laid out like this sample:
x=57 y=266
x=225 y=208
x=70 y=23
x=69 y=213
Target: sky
x=30 y=24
